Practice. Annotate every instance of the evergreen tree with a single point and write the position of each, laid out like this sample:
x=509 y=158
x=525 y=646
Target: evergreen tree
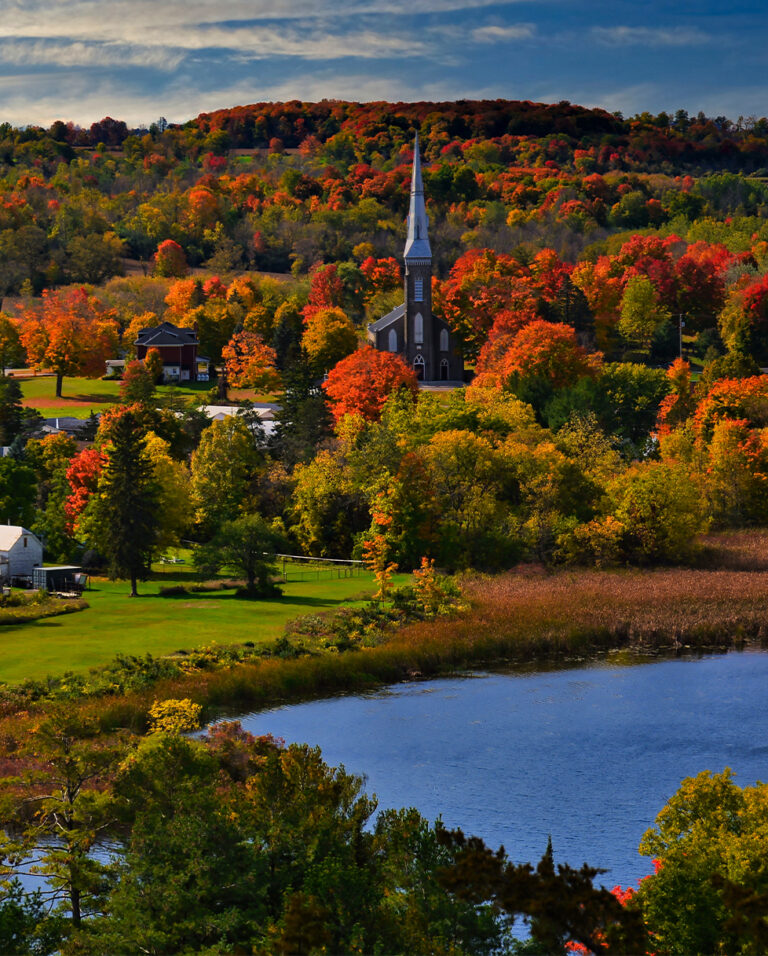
x=124 y=522
x=303 y=420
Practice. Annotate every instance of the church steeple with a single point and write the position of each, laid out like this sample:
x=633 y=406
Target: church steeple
x=417 y=241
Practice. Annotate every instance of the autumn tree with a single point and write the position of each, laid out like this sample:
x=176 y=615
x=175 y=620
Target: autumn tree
x=153 y=362
x=249 y=363
x=174 y=510
x=137 y=384
x=329 y=336
x=70 y=333
x=83 y=473
x=170 y=260
x=362 y=382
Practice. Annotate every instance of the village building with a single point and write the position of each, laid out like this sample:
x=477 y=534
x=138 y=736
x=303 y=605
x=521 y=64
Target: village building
x=178 y=350
x=20 y=553
x=411 y=330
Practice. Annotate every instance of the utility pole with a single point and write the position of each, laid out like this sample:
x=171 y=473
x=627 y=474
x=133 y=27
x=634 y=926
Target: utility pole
x=681 y=326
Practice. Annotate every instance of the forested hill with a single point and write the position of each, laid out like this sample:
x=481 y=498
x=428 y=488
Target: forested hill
x=284 y=186
x=448 y=127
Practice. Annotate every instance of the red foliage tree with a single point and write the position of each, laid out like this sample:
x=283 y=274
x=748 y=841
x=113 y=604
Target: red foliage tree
x=83 y=477
x=170 y=260
x=363 y=381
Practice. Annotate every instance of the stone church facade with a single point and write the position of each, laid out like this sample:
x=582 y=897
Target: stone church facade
x=411 y=331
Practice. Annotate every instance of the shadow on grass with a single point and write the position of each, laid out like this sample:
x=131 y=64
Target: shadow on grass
x=96 y=398
x=298 y=600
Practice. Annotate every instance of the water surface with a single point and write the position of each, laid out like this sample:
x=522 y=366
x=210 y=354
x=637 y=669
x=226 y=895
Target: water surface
x=589 y=756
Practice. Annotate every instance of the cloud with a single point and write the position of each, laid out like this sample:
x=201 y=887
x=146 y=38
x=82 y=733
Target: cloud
x=499 y=34
x=78 y=54
x=650 y=36
x=121 y=20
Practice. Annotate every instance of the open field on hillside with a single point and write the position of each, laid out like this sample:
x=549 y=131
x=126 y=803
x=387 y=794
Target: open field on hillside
x=115 y=624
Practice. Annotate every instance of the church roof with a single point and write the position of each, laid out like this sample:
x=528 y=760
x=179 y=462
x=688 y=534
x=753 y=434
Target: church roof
x=417 y=242
x=387 y=319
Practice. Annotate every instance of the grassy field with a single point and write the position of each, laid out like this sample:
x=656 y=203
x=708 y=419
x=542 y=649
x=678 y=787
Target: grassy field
x=81 y=396
x=117 y=624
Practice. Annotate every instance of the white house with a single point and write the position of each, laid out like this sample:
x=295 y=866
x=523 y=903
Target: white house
x=20 y=552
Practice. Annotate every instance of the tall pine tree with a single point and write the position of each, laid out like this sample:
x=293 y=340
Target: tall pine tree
x=125 y=523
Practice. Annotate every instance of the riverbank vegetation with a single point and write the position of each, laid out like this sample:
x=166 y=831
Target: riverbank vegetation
x=317 y=869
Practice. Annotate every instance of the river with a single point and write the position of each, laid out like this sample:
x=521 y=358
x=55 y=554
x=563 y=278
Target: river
x=588 y=755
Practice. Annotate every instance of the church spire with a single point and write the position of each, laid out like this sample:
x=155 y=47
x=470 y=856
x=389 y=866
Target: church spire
x=417 y=242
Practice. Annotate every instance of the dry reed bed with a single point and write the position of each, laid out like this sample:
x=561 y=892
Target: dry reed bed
x=520 y=617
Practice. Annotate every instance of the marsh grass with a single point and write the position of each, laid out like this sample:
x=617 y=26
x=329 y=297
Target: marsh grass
x=526 y=617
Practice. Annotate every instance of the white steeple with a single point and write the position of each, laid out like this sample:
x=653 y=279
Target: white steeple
x=417 y=241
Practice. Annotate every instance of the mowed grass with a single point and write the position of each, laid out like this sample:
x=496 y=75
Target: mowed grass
x=116 y=624
x=81 y=396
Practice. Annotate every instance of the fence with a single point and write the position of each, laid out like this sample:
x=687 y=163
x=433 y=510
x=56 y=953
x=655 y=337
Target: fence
x=297 y=567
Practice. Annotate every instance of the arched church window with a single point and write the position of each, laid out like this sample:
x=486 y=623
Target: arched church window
x=443 y=340
x=392 y=340
x=419 y=367
x=418 y=329
x=418 y=290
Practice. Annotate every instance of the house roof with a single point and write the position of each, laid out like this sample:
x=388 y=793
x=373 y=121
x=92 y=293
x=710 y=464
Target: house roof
x=387 y=319
x=10 y=534
x=166 y=334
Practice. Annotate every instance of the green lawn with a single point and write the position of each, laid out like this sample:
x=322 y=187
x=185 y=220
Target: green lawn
x=81 y=396
x=117 y=624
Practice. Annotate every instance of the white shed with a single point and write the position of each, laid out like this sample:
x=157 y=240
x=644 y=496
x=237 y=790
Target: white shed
x=20 y=552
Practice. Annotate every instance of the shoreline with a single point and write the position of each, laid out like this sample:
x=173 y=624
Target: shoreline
x=523 y=619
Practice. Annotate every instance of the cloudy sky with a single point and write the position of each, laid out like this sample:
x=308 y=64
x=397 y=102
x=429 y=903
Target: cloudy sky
x=137 y=60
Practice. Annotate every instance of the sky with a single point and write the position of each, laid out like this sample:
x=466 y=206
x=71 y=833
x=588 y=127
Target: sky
x=137 y=60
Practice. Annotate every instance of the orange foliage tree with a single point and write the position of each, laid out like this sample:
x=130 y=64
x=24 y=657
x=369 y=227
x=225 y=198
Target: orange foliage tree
x=543 y=350
x=249 y=363
x=70 y=333
x=362 y=382
x=743 y=399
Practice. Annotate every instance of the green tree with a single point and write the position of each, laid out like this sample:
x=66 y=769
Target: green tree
x=709 y=891
x=223 y=467
x=246 y=546
x=123 y=516
x=641 y=313
x=17 y=492
x=11 y=415
x=11 y=351
x=188 y=880
x=65 y=761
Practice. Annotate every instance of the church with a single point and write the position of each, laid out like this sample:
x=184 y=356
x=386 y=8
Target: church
x=411 y=331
